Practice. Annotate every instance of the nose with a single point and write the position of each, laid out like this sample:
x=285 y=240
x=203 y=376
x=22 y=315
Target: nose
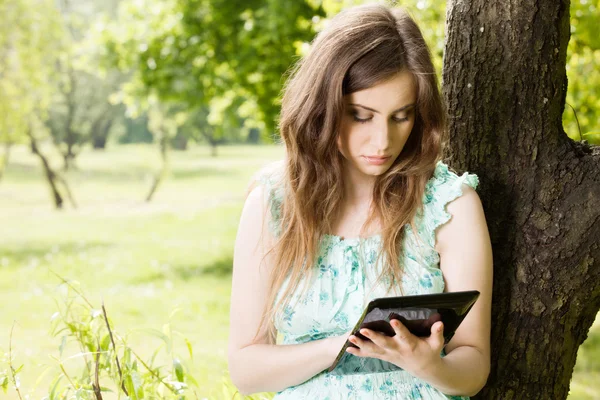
x=381 y=137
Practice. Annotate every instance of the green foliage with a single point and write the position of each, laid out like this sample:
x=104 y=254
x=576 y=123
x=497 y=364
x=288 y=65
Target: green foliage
x=29 y=40
x=108 y=365
x=136 y=130
x=222 y=55
x=144 y=260
x=103 y=352
x=581 y=118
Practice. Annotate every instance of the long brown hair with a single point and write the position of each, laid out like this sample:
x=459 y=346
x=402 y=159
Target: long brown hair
x=361 y=47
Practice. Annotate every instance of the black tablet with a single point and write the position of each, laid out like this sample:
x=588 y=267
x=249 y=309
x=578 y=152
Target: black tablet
x=418 y=313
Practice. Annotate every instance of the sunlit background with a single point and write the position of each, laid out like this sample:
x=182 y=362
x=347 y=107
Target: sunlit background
x=129 y=130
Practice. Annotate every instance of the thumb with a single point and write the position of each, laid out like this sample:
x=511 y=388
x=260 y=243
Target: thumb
x=436 y=339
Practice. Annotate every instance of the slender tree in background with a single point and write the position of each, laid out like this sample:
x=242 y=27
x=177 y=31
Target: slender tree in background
x=505 y=84
x=80 y=111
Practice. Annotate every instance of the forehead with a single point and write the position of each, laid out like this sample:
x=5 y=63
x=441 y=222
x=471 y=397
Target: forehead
x=391 y=94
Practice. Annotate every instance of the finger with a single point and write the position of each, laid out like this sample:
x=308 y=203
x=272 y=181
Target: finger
x=436 y=339
x=366 y=347
x=381 y=341
x=403 y=335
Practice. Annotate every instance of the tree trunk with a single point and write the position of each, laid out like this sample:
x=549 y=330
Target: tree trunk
x=209 y=135
x=48 y=171
x=4 y=158
x=180 y=141
x=164 y=156
x=504 y=81
x=100 y=130
x=99 y=142
x=68 y=159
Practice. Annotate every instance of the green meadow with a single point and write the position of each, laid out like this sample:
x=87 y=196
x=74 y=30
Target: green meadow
x=159 y=267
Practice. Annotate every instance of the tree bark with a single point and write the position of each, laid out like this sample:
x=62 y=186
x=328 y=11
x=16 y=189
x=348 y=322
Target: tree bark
x=164 y=169
x=180 y=141
x=505 y=83
x=101 y=128
x=5 y=158
x=71 y=137
x=51 y=176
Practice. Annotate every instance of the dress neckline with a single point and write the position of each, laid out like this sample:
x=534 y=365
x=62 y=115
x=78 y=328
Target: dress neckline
x=359 y=239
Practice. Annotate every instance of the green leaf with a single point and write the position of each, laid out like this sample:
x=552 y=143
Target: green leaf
x=128 y=382
x=54 y=387
x=105 y=343
x=127 y=356
x=178 y=369
x=189 y=346
x=167 y=332
x=191 y=380
x=137 y=384
x=63 y=342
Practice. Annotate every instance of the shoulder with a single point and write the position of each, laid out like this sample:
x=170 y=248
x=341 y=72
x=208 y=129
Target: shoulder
x=441 y=198
x=460 y=209
x=265 y=192
x=268 y=175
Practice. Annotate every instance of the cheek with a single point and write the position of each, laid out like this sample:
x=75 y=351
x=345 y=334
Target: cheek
x=343 y=140
x=351 y=139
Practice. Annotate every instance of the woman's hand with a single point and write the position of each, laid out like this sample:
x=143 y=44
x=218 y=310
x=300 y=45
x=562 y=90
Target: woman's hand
x=413 y=354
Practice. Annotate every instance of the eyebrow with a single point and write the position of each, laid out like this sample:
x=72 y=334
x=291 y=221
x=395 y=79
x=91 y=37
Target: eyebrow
x=377 y=112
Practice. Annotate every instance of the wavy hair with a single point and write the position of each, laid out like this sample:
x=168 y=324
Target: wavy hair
x=359 y=48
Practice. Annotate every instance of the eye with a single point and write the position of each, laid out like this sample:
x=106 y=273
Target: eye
x=361 y=120
x=356 y=118
x=404 y=119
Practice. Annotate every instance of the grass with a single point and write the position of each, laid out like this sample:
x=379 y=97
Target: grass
x=145 y=260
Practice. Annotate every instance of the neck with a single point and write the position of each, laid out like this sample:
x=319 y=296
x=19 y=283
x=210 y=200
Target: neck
x=358 y=188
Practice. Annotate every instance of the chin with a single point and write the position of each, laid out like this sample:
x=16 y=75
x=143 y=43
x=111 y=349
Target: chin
x=375 y=170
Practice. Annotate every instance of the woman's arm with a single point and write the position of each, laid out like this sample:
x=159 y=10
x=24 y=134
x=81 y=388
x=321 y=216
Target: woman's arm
x=466 y=262
x=263 y=366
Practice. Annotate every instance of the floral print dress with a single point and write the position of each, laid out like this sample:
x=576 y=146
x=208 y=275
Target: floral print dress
x=343 y=285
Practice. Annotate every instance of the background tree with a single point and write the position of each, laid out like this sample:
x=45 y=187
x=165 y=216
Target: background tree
x=28 y=49
x=80 y=111
x=28 y=37
x=224 y=56
x=505 y=85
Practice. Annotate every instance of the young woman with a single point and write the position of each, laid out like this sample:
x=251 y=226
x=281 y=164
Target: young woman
x=362 y=207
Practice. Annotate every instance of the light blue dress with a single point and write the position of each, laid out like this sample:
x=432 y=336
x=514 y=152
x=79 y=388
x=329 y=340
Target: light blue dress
x=344 y=285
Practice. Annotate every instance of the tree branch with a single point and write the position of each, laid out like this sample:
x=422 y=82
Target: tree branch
x=115 y=350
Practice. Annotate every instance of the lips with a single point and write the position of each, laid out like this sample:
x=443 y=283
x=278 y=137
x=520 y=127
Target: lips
x=376 y=160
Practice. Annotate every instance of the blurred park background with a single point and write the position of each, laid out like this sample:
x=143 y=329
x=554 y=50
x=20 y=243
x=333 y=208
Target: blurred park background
x=129 y=131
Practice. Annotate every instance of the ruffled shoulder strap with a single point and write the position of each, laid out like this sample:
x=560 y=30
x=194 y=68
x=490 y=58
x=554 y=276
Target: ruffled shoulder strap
x=443 y=187
x=270 y=177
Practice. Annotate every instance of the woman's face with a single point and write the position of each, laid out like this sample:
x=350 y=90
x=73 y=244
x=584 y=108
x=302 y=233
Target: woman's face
x=376 y=124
